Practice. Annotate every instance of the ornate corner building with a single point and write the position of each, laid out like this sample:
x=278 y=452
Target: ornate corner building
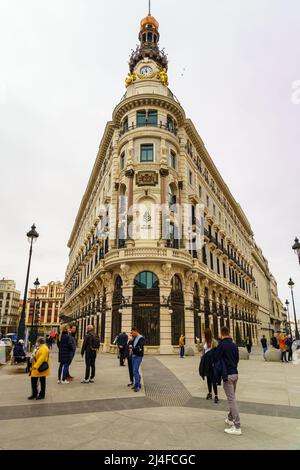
x=136 y=257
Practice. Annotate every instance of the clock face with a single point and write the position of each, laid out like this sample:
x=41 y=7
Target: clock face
x=146 y=71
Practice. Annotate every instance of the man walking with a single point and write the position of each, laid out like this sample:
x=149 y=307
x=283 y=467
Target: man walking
x=181 y=346
x=91 y=345
x=264 y=344
x=122 y=341
x=137 y=357
x=227 y=354
x=289 y=344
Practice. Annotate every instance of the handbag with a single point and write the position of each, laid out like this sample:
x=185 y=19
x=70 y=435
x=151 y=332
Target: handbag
x=44 y=366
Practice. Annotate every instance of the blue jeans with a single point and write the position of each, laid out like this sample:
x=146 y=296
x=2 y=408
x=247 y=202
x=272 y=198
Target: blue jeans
x=181 y=351
x=64 y=369
x=265 y=349
x=136 y=362
x=283 y=356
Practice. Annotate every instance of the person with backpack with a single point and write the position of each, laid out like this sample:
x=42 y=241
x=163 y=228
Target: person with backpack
x=90 y=346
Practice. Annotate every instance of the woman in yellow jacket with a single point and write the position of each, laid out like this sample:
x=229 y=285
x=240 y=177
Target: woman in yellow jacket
x=39 y=370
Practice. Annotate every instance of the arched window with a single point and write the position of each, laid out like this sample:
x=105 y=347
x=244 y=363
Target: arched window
x=173 y=159
x=146 y=280
x=176 y=283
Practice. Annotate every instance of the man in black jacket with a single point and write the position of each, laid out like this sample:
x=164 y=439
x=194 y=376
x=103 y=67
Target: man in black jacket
x=89 y=348
x=137 y=357
x=122 y=341
x=228 y=353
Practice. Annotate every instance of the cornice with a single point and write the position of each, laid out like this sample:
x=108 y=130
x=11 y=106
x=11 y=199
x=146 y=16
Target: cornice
x=104 y=144
x=137 y=101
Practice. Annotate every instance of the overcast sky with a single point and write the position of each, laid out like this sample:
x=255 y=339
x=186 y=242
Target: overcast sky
x=233 y=65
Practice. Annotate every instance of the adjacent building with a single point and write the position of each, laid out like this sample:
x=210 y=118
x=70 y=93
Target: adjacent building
x=9 y=306
x=159 y=240
x=43 y=306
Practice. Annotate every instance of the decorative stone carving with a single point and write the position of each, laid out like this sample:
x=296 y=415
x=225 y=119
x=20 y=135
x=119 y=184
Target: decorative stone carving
x=125 y=268
x=147 y=178
x=166 y=269
x=164 y=172
x=129 y=173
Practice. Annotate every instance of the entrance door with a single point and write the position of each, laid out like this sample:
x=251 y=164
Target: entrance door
x=146 y=307
x=116 y=316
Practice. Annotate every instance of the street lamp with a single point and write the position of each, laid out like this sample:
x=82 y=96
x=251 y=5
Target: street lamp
x=296 y=248
x=291 y=285
x=32 y=236
x=288 y=311
x=33 y=334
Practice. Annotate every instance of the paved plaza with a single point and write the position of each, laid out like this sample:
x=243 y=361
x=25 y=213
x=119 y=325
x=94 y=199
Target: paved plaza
x=170 y=413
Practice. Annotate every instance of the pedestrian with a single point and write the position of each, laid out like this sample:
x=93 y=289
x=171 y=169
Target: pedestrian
x=206 y=367
x=129 y=360
x=72 y=334
x=65 y=354
x=264 y=344
x=283 y=348
x=122 y=341
x=289 y=344
x=249 y=344
x=40 y=370
x=181 y=346
x=90 y=347
x=48 y=342
x=19 y=354
x=227 y=355
x=137 y=357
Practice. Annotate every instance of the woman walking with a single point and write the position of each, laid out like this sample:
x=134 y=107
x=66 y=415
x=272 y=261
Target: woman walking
x=206 y=367
x=40 y=370
x=181 y=344
x=65 y=356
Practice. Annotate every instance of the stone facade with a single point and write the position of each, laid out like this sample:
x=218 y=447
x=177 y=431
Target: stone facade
x=159 y=241
x=9 y=306
x=43 y=306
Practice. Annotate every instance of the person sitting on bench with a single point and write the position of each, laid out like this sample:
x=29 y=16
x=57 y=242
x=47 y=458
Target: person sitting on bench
x=19 y=353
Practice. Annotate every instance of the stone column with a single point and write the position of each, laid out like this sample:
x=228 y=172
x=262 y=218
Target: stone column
x=127 y=311
x=164 y=173
x=107 y=283
x=165 y=323
x=115 y=202
x=130 y=175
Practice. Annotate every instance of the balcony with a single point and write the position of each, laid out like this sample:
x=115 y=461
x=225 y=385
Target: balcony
x=166 y=127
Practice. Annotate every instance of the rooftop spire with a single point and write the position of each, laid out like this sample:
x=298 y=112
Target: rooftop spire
x=149 y=8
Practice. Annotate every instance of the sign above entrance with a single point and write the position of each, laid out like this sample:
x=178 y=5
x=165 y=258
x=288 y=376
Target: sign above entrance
x=147 y=178
x=145 y=305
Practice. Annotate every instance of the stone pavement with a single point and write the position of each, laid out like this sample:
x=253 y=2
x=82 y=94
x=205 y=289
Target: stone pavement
x=172 y=411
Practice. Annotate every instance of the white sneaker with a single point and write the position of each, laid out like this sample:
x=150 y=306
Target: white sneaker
x=85 y=381
x=59 y=381
x=233 y=430
x=65 y=382
x=92 y=381
x=230 y=423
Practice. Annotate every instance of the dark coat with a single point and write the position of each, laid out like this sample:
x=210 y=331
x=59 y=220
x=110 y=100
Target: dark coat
x=87 y=346
x=19 y=351
x=122 y=340
x=289 y=343
x=229 y=353
x=73 y=342
x=264 y=342
x=65 y=346
x=206 y=366
x=138 y=349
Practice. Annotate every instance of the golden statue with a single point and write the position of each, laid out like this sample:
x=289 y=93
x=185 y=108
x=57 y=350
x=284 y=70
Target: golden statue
x=130 y=79
x=162 y=75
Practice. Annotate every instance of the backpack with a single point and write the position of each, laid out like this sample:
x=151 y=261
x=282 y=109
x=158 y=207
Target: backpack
x=95 y=343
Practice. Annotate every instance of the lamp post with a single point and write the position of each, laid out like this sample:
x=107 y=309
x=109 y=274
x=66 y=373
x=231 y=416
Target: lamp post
x=296 y=248
x=32 y=236
x=288 y=312
x=33 y=334
x=291 y=285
